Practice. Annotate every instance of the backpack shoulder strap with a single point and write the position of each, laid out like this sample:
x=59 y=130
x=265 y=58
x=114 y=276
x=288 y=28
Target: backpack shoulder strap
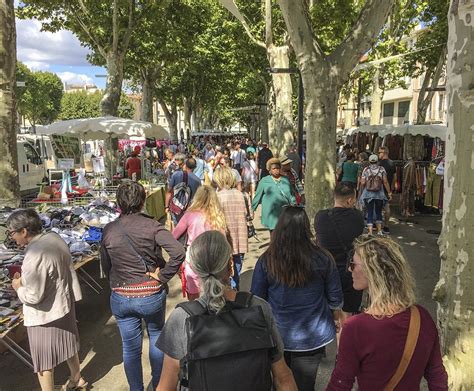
x=193 y=307
x=243 y=299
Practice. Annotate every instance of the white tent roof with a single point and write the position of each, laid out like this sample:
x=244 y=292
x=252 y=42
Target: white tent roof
x=101 y=127
x=384 y=130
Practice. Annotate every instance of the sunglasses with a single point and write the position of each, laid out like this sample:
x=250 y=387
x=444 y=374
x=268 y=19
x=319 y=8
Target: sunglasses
x=9 y=233
x=351 y=265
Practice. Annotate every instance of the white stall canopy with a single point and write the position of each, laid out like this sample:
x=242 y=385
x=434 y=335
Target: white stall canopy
x=104 y=127
x=431 y=130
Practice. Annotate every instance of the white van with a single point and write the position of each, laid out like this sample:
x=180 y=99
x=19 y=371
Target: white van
x=31 y=167
x=38 y=155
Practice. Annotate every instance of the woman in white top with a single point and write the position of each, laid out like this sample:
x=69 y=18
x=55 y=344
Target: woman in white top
x=249 y=175
x=48 y=288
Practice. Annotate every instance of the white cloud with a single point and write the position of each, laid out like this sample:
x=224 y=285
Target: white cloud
x=71 y=77
x=36 y=65
x=44 y=48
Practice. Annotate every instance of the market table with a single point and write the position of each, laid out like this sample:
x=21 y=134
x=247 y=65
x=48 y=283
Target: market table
x=155 y=203
x=17 y=331
x=84 y=276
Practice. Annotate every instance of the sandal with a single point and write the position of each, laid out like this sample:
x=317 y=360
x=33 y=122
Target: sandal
x=81 y=384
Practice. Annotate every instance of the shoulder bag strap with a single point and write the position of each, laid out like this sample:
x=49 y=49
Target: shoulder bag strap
x=410 y=344
x=140 y=257
x=277 y=183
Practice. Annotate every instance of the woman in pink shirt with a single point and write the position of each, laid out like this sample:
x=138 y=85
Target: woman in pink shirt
x=372 y=343
x=204 y=214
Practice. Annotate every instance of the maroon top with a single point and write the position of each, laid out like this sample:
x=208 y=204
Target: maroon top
x=371 y=349
x=133 y=165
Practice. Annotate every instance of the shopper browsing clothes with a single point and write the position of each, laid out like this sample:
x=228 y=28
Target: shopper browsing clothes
x=48 y=288
x=131 y=256
x=373 y=182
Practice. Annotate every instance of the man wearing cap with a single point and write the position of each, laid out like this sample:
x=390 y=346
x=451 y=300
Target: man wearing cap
x=296 y=159
x=292 y=175
x=263 y=156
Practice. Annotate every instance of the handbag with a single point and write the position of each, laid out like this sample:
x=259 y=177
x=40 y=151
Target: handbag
x=410 y=344
x=251 y=232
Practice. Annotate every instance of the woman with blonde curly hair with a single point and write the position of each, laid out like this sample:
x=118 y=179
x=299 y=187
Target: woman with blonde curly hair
x=204 y=214
x=376 y=347
x=235 y=211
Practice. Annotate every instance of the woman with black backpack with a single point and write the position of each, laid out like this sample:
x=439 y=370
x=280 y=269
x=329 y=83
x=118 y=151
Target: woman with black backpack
x=372 y=181
x=224 y=340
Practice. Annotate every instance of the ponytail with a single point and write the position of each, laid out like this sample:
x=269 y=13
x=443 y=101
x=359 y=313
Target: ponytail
x=209 y=254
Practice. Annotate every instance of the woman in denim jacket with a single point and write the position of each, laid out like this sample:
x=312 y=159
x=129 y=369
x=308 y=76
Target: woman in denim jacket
x=301 y=283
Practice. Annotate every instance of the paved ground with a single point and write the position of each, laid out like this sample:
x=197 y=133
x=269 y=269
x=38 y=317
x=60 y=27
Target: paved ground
x=100 y=340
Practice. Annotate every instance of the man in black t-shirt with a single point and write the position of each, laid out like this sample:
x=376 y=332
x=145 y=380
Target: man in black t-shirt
x=336 y=229
x=263 y=156
x=390 y=168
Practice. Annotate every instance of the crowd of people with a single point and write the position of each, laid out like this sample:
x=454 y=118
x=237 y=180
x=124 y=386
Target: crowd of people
x=306 y=290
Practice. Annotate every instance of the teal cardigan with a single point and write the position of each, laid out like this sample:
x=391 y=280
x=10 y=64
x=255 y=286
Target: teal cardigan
x=273 y=196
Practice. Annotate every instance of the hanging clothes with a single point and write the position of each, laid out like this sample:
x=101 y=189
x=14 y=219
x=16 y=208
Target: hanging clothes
x=409 y=188
x=433 y=188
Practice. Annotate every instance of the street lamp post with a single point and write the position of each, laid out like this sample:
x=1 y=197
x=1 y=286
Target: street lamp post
x=300 y=103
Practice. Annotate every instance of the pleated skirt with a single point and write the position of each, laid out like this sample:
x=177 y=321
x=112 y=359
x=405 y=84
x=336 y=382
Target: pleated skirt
x=53 y=343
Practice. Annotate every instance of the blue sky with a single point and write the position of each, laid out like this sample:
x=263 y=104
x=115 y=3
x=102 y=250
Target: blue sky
x=59 y=52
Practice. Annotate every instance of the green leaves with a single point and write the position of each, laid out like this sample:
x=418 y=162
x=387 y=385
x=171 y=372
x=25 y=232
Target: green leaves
x=40 y=100
x=81 y=104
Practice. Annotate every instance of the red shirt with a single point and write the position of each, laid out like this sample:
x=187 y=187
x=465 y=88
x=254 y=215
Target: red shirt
x=133 y=165
x=370 y=350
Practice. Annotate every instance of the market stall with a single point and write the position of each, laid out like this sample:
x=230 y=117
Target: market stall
x=81 y=229
x=418 y=153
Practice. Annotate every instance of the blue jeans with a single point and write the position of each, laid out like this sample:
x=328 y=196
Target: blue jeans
x=129 y=312
x=238 y=261
x=374 y=207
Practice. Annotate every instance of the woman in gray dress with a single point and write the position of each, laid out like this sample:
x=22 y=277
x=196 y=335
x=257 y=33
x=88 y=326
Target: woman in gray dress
x=48 y=288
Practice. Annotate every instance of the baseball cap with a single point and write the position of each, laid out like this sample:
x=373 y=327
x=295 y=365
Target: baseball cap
x=373 y=158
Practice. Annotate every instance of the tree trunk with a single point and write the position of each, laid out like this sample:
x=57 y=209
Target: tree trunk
x=9 y=182
x=147 y=98
x=377 y=97
x=171 y=118
x=454 y=291
x=321 y=117
x=113 y=87
x=424 y=101
x=187 y=109
x=264 y=116
x=197 y=117
x=281 y=125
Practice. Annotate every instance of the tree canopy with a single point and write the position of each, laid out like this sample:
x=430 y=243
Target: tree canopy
x=39 y=100
x=81 y=104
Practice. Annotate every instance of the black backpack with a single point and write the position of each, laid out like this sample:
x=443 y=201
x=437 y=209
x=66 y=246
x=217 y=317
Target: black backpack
x=230 y=350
